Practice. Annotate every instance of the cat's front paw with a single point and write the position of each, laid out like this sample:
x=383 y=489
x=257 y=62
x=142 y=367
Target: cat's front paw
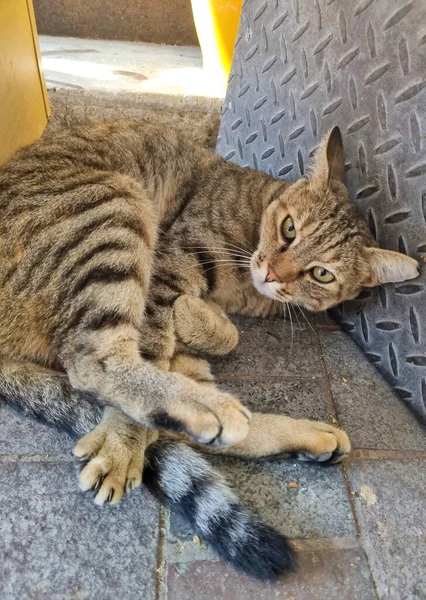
x=322 y=443
x=203 y=326
x=234 y=418
x=113 y=457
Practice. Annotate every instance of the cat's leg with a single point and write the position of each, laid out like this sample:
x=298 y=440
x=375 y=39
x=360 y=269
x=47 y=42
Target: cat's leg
x=108 y=364
x=306 y=440
x=115 y=442
x=99 y=310
x=114 y=451
x=192 y=366
x=203 y=326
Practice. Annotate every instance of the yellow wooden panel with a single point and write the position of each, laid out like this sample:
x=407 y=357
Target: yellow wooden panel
x=216 y=22
x=24 y=107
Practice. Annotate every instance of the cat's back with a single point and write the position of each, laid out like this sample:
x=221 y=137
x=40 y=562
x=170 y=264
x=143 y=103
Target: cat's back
x=63 y=175
x=103 y=146
x=61 y=199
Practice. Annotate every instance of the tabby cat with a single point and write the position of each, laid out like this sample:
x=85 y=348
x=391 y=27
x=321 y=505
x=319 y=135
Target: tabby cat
x=112 y=240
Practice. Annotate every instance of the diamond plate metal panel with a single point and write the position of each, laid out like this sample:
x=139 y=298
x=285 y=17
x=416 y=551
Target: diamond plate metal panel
x=301 y=67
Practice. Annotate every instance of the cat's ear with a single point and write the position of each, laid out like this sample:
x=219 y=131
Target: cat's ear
x=387 y=266
x=330 y=158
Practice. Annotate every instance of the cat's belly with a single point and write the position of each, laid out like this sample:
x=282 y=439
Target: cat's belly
x=22 y=331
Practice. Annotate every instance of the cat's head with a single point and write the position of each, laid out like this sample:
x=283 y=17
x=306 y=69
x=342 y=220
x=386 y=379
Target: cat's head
x=314 y=249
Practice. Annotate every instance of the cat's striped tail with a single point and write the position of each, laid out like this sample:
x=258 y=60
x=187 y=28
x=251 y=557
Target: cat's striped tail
x=179 y=476
x=186 y=482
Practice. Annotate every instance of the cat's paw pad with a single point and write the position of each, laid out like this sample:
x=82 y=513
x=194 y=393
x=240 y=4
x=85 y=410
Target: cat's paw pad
x=324 y=444
x=112 y=464
x=308 y=457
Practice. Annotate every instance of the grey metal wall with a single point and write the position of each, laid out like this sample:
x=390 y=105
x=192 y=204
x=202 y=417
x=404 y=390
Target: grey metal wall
x=301 y=67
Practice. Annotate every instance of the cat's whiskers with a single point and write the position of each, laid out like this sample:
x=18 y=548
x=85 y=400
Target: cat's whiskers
x=297 y=317
x=284 y=311
x=223 y=246
x=305 y=316
x=291 y=325
x=224 y=267
x=250 y=251
x=202 y=250
x=230 y=264
x=219 y=262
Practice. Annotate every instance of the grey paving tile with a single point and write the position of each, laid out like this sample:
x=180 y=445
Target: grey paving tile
x=55 y=543
x=372 y=415
x=20 y=434
x=324 y=574
x=299 y=399
x=317 y=508
x=391 y=505
x=266 y=348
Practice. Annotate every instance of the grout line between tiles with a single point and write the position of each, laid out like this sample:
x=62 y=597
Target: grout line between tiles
x=356 y=455
x=33 y=458
x=223 y=377
x=328 y=395
x=333 y=543
x=361 y=454
x=160 y=571
x=351 y=495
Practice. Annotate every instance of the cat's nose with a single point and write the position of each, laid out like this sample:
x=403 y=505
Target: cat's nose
x=272 y=276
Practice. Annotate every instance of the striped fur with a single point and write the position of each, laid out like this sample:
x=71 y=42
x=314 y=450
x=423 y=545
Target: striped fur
x=186 y=482
x=122 y=246
x=175 y=473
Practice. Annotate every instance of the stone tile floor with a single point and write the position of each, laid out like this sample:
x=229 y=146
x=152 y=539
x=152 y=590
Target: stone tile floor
x=360 y=527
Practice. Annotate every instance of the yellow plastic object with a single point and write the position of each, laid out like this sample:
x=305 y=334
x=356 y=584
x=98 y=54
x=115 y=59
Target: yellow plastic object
x=217 y=22
x=24 y=106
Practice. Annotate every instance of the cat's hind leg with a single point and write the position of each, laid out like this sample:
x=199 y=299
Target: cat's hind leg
x=114 y=442
x=113 y=456
x=305 y=440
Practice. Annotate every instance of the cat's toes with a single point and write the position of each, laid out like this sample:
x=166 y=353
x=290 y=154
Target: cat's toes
x=112 y=489
x=109 y=476
x=234 y=418
x=134 y=472
x=89 y=445
x=111 y=469
x=235 y=421
x=193 y=419
x=214 y=419
x=325 y=444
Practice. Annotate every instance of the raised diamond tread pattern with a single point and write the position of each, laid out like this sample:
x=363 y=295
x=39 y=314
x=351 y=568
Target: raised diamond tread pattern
x=299 y=68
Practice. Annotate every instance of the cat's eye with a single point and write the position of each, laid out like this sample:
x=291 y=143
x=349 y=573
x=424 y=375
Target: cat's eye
x=288 y=229
x=322 y=275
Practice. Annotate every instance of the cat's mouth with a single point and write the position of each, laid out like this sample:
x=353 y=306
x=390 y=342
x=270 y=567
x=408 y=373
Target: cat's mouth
x=271 y=289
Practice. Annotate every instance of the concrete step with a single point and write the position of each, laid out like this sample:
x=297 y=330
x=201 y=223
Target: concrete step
x=156 y=21
x=95 y=80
